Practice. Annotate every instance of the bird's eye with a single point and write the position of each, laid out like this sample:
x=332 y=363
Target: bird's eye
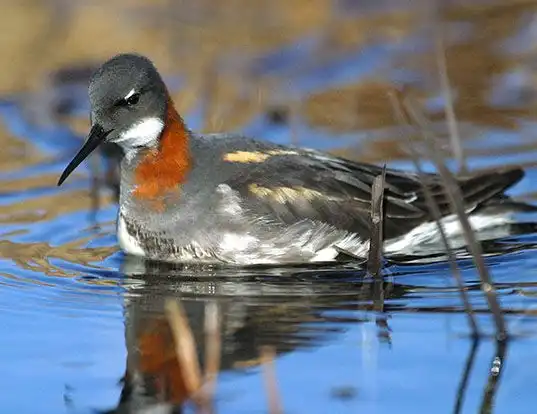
x=130 y=100
x=133 y=99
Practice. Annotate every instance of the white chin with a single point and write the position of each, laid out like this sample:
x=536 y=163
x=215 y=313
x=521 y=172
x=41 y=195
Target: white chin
x=142 y=134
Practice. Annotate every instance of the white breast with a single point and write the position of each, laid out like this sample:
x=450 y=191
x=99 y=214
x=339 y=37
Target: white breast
x=128 y=243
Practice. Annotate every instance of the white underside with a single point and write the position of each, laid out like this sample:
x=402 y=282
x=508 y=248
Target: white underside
x=422 y=240
x=426 y=239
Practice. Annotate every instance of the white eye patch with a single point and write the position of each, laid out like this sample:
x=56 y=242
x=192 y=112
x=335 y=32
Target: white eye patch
x=132 y=92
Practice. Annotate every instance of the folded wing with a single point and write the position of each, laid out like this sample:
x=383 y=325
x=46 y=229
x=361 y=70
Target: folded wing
x=297 y=185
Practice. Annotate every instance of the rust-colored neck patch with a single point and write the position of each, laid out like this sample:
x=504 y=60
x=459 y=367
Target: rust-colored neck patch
x=165 y=167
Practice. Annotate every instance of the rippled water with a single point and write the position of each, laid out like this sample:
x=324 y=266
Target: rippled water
x=84 y=329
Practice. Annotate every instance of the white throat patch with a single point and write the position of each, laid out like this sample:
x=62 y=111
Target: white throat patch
x=143 y=133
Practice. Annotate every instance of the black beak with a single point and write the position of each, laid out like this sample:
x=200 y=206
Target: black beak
x=96 y=136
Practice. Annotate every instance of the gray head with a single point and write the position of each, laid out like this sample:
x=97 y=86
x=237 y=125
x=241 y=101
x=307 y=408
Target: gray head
x=128 y=106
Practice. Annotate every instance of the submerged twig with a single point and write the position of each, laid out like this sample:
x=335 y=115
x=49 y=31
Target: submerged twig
x=273 y=397
x=455 y=198
x=212 y=349
x=494 y=377
x=381 y=319
x=463 y=385
x=185 y=346
x=200 y=390
x=374 y=262
x=435 y=213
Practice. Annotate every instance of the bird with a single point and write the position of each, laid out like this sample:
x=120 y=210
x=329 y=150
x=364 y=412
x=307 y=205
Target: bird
x=224 y=198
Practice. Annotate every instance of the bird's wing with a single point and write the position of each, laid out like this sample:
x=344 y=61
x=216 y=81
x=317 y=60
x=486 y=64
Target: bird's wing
x=293 y=185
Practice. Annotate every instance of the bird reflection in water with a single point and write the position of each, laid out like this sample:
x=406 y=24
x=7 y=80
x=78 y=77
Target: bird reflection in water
x=284 y=309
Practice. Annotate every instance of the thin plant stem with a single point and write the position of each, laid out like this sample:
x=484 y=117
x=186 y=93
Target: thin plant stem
x=435 y=213
x=454 y=196
x=451 y=119
x=273 y=396
x=374 y=262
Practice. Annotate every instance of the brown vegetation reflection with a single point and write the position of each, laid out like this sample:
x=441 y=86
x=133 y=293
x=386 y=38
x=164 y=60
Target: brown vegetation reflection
x=37 y=256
